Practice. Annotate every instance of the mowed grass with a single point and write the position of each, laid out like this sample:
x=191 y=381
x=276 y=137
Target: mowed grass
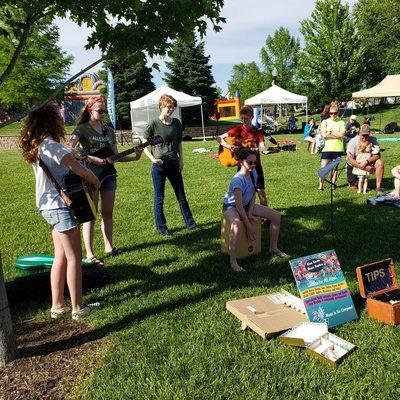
x=169 y=335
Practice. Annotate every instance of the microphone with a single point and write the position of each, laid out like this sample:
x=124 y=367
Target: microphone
x=268 y=136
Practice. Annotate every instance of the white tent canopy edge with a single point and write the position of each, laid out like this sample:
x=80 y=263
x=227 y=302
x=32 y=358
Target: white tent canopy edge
x=144 y=109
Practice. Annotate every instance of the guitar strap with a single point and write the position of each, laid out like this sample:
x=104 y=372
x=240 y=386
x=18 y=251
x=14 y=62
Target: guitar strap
x=253 y=180
x=53 y=180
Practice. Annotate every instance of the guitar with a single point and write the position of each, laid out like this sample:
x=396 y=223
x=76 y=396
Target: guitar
x=80 y=194
x=226 y=156
x=106 y=153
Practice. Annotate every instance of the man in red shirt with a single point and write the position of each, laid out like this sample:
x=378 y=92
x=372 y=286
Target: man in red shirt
x=244 y=132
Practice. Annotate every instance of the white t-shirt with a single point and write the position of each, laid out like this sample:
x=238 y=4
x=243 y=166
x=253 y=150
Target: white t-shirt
x=47 y=196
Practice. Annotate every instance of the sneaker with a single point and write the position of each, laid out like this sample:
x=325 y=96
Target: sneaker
x=165 y=232
x=57 y=312
x=379 y=191
x=77 y=315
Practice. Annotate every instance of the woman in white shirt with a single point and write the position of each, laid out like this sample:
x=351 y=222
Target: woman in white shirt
x=41 y=135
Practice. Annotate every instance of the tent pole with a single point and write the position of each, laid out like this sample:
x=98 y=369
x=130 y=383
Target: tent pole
x=307 y=111
x=202 y=122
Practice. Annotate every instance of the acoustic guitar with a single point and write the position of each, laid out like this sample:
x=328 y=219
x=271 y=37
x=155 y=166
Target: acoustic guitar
x=226 y=156
x=80 y=194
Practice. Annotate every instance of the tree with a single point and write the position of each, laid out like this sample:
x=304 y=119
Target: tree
x=190 y=72
x=131 y=81
x=40 y=68
x=331 y=65
x=378 y=23
x=248 y=79
x=281 y=51
x=133 y=27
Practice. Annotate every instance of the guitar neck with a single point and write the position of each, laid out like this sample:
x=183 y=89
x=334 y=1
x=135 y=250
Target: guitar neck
x=125 y=153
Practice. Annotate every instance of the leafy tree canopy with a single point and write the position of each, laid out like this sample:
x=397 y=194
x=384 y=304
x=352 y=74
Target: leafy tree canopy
x=41 y=66
x=281 y=51
x=378 y=23
x=248 y=79
x=134 y=27
x=331 y=65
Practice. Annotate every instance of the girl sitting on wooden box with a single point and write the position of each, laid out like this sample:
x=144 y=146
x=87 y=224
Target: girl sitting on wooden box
x=239 y=206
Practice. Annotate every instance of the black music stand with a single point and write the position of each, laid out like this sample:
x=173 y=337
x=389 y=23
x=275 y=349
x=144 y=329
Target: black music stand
x=322 y=174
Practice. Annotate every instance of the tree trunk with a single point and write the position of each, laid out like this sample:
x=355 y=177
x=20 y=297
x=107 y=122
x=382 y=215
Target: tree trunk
x=18 y=50
x=8 y=349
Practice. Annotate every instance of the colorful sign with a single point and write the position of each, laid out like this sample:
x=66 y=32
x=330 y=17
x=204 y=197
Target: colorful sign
x=323 y=288
x=111 y=97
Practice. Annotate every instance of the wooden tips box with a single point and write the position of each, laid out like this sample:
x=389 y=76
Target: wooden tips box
x=319 y=343
x=378 y=284
x=266 y=315
x=245 y=247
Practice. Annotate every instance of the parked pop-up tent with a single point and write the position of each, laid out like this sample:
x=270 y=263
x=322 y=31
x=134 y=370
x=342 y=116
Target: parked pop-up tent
x=388 y=87
x=277 y=95
x=145 y=109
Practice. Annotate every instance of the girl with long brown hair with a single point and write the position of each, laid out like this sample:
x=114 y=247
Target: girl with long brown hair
x=41 y=138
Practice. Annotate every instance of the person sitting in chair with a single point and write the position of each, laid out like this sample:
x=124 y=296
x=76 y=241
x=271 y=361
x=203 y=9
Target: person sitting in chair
x=374 y=164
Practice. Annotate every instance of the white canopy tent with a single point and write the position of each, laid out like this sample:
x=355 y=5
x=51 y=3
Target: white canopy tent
x=145 y=109
x=276 y=95
x=388 y=87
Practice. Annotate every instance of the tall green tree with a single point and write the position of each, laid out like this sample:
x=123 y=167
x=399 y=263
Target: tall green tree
x=133 y=27
x=378 y=23
x=331 y=65
x=190 y=72
x=248 y=79
x=281 y=51
x=131 y=81
x=41 y=66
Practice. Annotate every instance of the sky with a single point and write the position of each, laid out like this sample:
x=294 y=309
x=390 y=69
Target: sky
x=248 y=23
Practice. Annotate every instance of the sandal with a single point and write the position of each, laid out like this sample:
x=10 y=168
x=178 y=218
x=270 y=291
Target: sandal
x=94 y=261
x=238 y=269
x=114 y=251
x=280 y=254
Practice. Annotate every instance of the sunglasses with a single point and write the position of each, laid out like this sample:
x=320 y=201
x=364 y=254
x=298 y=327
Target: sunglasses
x=334 y=113
x=101 y=111
x=251 y=162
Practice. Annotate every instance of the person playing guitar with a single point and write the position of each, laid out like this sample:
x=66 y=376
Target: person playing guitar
x=95 y=138
x=247 y=135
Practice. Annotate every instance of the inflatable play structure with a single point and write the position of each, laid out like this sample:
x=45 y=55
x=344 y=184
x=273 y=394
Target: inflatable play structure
x=228 y=109
x=86 y=86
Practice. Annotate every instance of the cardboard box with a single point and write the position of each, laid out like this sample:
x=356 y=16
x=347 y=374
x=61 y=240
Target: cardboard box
x=378 y=284
x=266 y=315
x=319 y=343
x=245 y=247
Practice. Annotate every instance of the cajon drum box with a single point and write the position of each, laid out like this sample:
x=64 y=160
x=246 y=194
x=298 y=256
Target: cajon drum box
x=245 y=248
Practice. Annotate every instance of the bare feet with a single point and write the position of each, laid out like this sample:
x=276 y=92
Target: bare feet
x=237 y=268
x=279 y=253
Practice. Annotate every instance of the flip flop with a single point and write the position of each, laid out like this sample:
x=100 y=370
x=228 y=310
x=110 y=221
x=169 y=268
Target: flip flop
x=115 y=251
x=280 y=254
x=94 y=260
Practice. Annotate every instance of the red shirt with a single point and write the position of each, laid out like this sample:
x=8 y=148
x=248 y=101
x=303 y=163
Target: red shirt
x=242 y=133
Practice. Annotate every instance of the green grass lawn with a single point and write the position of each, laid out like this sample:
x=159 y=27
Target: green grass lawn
x=168 y=333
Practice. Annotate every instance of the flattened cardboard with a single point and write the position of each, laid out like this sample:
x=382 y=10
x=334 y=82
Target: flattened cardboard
x=378 y=283
x=265 y=315
x=304 y=334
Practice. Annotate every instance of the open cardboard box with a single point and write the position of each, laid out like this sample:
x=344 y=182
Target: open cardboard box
x=266 y=315
x=378 y=284
x=319 y=343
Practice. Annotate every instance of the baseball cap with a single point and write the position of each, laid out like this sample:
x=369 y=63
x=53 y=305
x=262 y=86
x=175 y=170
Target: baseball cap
x=353 y=117
x=365 y=130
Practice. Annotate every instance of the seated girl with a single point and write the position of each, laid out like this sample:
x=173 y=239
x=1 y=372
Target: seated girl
x=239 y=206
x=396 y=174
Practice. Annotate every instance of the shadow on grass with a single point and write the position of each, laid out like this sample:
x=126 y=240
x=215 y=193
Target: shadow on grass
x=301 y=234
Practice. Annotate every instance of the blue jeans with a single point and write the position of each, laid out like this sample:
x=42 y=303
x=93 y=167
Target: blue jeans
x=159 y=174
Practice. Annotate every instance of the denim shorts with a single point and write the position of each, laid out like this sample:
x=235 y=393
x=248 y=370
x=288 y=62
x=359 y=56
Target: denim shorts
x=60 y=219
x=109 y=184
